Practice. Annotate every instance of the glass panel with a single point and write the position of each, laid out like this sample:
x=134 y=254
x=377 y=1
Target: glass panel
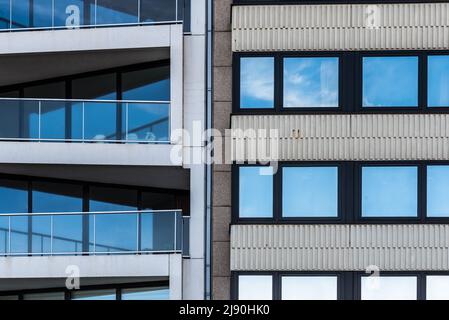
x=309 y=288
x=152 y=84
x=310 y=82
x=57 y=197
x=9 y=297
x=19 y=234
x=146 y=122
x=157 y=11
x=68 y=234
x=76 y=110
x=389 y=288
x=158 y=231
x=115 y=232
x=4 y=242
x=70 y=13
x=20 y=14
x=53 y=118
x=44 y=296
x=438 y=81
x=55 y=90
x=4 y=14
x=390 y=81
x=256 y=192
x=102 y=87
x=389 y=191
x=100 y=121
x=30 y=119
x=257 y=83
x=10 y=94
x=13 y=196
x=146 y=294
x=437 y=191
x=94 y=295
x=41 y=239
x=10 y=119
x=310 y=192
x=437 y=287
x=159 y=201
x=255 y=288
x=112 y=199
x=116 y=12
x=42 y=13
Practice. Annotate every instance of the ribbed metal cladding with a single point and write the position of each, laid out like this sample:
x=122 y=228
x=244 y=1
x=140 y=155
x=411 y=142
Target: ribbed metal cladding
x=339 y=247
x=340 y=27
x=340 y=137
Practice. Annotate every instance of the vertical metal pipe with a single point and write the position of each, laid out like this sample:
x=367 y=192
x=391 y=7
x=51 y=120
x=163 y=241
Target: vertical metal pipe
x=40 y=119
x=175 y=235
x=138 y=11
x=82 y=124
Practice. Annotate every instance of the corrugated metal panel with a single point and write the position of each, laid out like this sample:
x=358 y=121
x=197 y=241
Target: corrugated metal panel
x=341 y=137
x=340 y=27
x=339 y=247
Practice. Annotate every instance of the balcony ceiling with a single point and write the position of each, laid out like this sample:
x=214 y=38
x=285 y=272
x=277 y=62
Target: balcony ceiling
x=144 y=176
x=32 y=67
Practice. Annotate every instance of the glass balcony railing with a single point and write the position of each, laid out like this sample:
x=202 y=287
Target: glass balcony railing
x=18 y=15
x=85 y=121
x=93 y=233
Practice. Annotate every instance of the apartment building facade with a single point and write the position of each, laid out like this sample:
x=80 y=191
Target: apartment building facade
x=340 y=163
x=99 y=198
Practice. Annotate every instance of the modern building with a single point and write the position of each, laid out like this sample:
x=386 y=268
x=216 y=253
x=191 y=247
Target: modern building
x=340 y=158
x=99 y=100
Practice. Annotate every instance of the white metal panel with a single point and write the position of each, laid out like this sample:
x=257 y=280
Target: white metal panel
x=340 y=27
x=339 y=247
x=341 y=137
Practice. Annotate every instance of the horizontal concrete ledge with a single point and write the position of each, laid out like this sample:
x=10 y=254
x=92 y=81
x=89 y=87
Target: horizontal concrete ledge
x=155 y=265
x=339 y=247
x=111 y=38
x=90 y=154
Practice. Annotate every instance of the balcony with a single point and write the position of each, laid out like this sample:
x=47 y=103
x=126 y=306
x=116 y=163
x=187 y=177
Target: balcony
x=87 y=121
x=16 y=15
x=94 y=233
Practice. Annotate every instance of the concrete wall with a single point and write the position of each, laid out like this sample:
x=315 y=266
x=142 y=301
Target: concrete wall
x=221 y=180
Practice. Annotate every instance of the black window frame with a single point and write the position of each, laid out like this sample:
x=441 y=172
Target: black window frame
x=348 y=285
x=349 y=194
x=350 y=82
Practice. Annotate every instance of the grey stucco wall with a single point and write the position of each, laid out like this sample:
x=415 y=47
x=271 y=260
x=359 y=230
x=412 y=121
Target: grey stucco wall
x=221 y=188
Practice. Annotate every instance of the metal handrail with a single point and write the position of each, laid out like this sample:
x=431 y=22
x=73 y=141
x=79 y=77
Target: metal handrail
x=105 y=137
x=138 y=21
x=178 y=245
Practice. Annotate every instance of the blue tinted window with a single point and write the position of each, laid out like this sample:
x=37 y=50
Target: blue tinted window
x=390 y=81
x=146 y=294
x=438 y=191
x=4 y=14
x=57 y=197
x=310 y=192
x=310 y=82
x=94 y=295
x=42 y=13
x=156 y=10
x=20 y=14
x=146 y=122
x=115 y=12
x=151 y=84
x=257 y=83
x=256 y=192
x=438 y=81
x=13 y=196
x=389 y=191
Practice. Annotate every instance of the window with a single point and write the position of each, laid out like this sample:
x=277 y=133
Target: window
x=44 y=296
x=389 y=191
x=389 y=288
x=146 y=294
x=156 y=10
x=65 y=10
x=151 y=84
x=255 y=287
x=309 y=288
x=94 y=295
x=437 y=287
x=256 y=192
x=115 y=12
x=438 y=81
x=390 y=81
x=437 y=191
x=310 y=82
x=310 y=192
x=257 y=83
